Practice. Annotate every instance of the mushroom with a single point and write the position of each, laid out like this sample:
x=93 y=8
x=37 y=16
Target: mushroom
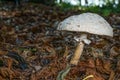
x=85 y=23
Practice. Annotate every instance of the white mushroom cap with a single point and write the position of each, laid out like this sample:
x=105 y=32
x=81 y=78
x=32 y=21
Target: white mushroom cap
x=87 y=22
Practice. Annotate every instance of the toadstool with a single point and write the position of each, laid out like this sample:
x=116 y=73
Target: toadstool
x=85 y=23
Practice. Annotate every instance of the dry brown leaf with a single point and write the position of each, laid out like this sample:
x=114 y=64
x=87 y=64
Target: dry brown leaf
x=89 y=63
x=107 y=66
x=31 y=58
x=33 y=77
x=50 y=71
x=3 y=52
x=114 y=51
x=44 y=24
x=1 y=78
x=11 y=31
x=50 y=49
x=112 y=75
x=96 y=75
x=7 y=73
x=79 y=71
x=9 y=63
x=103 y=66
x=46 y=40
x=118 y=66
x=101 y=43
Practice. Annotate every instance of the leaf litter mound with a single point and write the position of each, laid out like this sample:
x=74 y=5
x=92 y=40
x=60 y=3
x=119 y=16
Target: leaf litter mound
x=32 y=49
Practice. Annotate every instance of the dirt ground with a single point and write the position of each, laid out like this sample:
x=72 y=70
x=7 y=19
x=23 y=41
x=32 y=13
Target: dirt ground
x=32 y=49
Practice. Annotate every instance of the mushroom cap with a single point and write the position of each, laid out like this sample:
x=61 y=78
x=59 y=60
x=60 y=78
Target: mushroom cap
x=86 y=22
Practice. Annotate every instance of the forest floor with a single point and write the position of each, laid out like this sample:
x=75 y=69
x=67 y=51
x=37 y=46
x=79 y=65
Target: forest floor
x=32 y=49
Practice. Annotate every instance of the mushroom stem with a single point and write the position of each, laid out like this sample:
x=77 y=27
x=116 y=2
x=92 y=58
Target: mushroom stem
x=77 y=54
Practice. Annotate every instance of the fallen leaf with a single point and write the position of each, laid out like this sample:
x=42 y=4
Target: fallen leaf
x=93 y=72
x=114 y=51
x=3 y=52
